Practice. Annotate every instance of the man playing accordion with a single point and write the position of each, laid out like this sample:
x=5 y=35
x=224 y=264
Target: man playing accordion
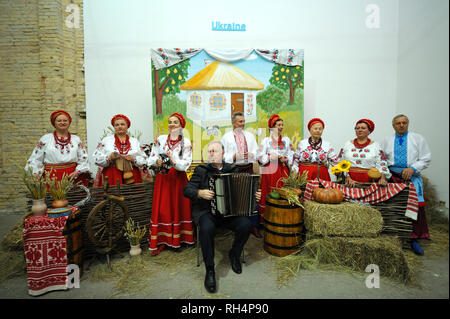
x=197 y=190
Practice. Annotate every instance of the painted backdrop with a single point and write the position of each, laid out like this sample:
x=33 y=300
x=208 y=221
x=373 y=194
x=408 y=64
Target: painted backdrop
x=207 y=86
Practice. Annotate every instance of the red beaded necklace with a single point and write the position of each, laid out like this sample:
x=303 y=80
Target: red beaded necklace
x=62 y=141
x=360 y=146
x=122 y=147
x=172 y=143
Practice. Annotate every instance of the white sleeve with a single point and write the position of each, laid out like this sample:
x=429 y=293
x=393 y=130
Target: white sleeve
x=183 y=163
x=154 y=154
x=424 y=155
x=36 y=159
x=263 y=154
x=229 y=148
x=296 y=158
x=140 y=158
x=82 y=158
x=101 y=155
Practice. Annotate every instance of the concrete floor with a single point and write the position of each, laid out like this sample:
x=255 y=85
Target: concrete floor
x=258 y=280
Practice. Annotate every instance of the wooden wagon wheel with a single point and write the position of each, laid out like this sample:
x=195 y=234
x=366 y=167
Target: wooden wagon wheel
x=105 y=223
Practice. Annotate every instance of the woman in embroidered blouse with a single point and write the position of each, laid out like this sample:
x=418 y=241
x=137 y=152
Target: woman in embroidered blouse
x=313 y=153
x=115 y=147
x=171 y=219
x=364 y=154
x=60 y=152
x=275 y=156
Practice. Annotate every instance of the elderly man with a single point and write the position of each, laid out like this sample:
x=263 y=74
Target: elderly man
x=197 y=190
x=240 y=148
x=407 y=155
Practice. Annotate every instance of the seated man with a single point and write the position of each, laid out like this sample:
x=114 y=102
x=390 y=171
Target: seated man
x=197 y=190
x=407 y=155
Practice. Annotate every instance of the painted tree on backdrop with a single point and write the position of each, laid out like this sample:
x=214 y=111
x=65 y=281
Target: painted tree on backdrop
x=167 y=81
x=287 y=77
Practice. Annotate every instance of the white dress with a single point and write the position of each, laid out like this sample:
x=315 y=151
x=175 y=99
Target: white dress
x=47 y=151
x=368 y=157
x=182 y=163
x=107 y=146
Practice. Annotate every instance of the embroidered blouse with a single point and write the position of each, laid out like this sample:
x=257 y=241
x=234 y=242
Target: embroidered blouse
x=48 y=151
x=270 y=146
x=162 y=146
x=324 y=154
x=368 y=157
x=108 y=146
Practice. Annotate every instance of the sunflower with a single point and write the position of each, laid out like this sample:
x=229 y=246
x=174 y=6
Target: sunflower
x=344 y=166
x=335 y=170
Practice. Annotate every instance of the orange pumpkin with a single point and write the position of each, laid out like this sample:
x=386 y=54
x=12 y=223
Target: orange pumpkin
x=328 y=195
x=374 y=173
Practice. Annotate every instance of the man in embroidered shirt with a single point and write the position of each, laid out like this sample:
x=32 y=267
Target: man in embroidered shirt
x=407 y=154
x=240 y=148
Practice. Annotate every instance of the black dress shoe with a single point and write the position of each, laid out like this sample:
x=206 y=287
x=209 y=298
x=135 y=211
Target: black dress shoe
x=210 y=281
x=235 y=262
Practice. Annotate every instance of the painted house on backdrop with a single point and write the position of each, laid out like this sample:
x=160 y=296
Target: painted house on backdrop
x=219 y=90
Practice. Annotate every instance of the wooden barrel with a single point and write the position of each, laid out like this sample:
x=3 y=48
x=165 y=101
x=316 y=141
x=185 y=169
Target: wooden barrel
x=74 y=240
x=283 y=225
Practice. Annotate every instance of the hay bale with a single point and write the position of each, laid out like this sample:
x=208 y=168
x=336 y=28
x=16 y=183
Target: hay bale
x=357 y=253
x=345 y=219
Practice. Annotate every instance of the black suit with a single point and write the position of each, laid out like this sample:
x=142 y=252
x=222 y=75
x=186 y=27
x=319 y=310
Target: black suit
x=201 y=212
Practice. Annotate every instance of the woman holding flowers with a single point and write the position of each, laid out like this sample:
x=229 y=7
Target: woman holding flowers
x=119 y=156
x=364 y=154
x=60 y=152
x=313 y=154
x=275 y=156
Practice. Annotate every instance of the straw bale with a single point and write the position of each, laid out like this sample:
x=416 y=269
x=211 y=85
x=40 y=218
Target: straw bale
x=345 y=219
x=357 y=253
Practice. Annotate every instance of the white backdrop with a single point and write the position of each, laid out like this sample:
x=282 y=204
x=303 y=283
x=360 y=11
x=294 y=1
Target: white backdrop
x=351 y=70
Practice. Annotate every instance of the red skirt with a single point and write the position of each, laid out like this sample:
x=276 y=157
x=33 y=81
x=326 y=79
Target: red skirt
x=114 y=174
x=359 y=175
x=58 y=170
x=171 y=218
x=312 y=171
x=270 y=177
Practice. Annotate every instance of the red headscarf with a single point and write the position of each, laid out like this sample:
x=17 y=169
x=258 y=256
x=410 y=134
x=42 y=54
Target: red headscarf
x=120 y=116
x=314 y=121
x=273 y=119
x=181 y=118
x=369 y=123
x=59 y=112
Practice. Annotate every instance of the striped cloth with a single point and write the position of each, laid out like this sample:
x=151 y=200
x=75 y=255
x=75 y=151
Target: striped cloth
x=372 y=195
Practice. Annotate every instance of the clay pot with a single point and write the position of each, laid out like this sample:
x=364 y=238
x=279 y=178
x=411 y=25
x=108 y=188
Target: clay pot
x=58 y=203
x=135 y=250
x=39 y=208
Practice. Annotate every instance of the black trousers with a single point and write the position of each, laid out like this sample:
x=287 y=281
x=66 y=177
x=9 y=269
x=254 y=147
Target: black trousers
x=208 y=224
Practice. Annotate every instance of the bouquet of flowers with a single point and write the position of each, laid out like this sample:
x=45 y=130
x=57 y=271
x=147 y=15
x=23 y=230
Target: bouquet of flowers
x=133 y=232
x=339 y=170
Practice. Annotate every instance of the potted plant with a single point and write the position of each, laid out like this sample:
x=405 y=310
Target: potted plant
x=59 y=189
x=37 y=188
x=134 y=233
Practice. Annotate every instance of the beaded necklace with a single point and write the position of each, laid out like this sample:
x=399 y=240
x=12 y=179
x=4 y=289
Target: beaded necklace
x=361 y=146
x=315 y=144
x=172 y=143
x=62 y=142
x=124 y=147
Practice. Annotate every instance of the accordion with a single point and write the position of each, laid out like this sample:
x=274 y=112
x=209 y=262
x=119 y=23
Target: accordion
x=234 y=194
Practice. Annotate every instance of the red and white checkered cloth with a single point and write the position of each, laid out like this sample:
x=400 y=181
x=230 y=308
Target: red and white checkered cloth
x=45 y=253
x=372 y=195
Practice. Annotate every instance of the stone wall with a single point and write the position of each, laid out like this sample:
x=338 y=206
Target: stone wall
x=41 y=70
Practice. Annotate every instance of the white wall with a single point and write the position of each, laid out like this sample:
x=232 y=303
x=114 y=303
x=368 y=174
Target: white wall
x=423 y=57
x=351 y=71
